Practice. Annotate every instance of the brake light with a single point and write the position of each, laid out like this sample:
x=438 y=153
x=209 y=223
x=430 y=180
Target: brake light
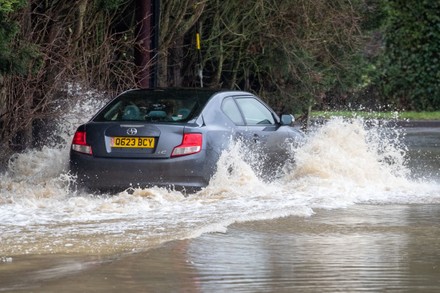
x=191 y=144
x=79 y=143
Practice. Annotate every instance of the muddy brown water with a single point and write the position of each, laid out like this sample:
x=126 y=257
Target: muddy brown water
x=344 y=226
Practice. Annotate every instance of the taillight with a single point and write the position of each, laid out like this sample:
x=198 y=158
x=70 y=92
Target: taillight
x=191 y=144
x=79 y=143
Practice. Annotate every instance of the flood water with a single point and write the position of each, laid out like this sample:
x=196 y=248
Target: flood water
x=359 y=211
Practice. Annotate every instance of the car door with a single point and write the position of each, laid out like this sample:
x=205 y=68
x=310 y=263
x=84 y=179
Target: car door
x=259 y=121
x=257 y=127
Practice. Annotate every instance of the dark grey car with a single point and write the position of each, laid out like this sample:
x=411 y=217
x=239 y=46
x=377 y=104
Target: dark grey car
x=173 y=137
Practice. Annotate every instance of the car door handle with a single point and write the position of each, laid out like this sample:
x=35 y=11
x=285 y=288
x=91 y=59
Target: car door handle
x=256 y=138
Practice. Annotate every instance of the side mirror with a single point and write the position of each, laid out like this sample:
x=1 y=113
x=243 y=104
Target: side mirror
x=287 y=119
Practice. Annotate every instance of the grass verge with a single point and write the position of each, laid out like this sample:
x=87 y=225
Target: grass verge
x=378 y=115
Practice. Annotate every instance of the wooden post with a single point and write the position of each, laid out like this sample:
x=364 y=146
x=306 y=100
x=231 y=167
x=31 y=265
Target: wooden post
x=147 y=30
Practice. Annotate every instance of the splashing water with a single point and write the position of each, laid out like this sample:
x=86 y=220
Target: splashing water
x=341 y=163
x=345 y=161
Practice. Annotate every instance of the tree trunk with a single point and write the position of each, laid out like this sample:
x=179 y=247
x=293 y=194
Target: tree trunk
x=219 y=68
x=143 y=42
x=79 y=24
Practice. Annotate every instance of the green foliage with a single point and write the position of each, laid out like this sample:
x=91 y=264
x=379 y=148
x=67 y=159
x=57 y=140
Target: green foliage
x=411 y=61
x=12 y=60
x=7 y=6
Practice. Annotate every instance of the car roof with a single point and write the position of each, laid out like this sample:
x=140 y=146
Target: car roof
x=176 y=90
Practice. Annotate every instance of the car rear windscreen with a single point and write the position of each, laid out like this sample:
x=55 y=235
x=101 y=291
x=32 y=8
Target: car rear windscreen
x=155 y=106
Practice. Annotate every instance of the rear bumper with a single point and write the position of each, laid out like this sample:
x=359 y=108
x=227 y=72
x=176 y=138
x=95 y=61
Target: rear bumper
x=113 y=174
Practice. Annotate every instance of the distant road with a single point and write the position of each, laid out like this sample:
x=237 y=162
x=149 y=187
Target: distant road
x=402 y=123
x=419 y=123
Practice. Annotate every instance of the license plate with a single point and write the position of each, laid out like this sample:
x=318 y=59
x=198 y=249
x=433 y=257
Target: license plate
x=132 y=142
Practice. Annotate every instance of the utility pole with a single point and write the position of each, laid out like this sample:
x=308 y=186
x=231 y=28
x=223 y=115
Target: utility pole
x=147 y=36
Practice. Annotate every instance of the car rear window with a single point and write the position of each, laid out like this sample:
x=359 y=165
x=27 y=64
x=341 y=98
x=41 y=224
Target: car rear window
x=155 y=106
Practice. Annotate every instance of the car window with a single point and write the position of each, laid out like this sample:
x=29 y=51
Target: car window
x=254 y=112
x=231 y=110
x=150 y=106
